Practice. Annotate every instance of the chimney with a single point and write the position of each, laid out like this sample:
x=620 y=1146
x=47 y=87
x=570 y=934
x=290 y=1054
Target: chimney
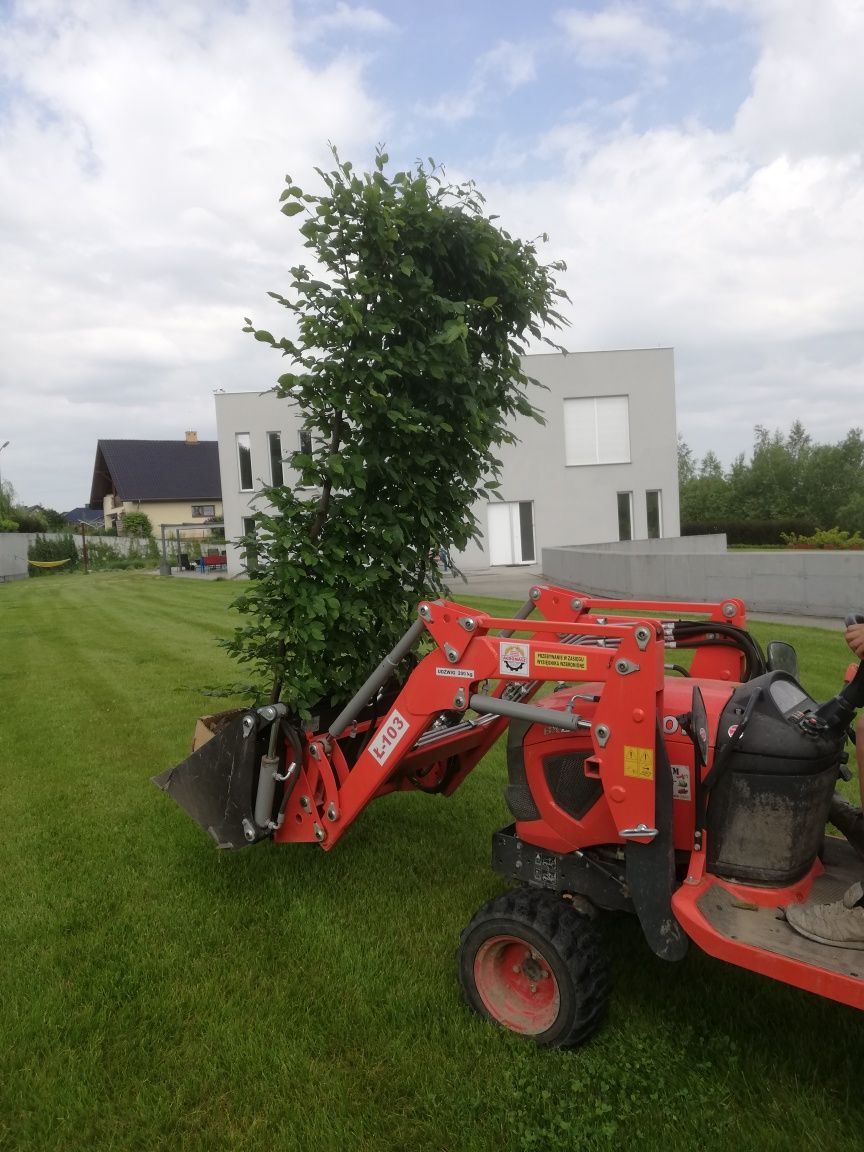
x=191 y=437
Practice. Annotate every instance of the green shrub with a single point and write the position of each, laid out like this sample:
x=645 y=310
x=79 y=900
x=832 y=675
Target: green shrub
x=30 y=521
x=43 y=550
x=831 y=538
x=757 y=532
x=137 y=524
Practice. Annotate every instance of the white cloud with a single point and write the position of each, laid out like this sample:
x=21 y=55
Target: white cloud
x=807 y=96
x=348 y=18
x=142 y=153
x=618 y=35
x=143 y=148
x=505 y=68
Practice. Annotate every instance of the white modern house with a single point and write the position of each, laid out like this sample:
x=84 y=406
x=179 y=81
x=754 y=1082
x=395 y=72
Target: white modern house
x=603 y=468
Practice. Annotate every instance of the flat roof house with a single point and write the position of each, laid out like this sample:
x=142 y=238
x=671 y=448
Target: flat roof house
x=603 y=467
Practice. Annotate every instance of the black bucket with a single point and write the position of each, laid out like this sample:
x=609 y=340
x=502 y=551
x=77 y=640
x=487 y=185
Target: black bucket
x=217 y=784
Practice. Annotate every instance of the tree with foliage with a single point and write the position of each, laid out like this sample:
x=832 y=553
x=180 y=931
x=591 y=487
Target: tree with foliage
x=406 y=371
x=772 y=487
x=834 y=482
x=8 y=521
x=137 y=525
x=787 y=478
x=686 y=462
x=52 y=551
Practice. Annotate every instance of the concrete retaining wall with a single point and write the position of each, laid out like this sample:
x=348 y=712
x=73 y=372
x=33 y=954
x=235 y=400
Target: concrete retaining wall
x=698 y=568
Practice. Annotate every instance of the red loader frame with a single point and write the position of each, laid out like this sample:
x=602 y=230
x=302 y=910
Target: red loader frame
x=629 y=718
x=403 y=751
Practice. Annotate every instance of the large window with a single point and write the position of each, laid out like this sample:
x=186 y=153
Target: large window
x=244 y=461
x=597 y=430
x=274 y=441
x=625 y=515
x=654 y=514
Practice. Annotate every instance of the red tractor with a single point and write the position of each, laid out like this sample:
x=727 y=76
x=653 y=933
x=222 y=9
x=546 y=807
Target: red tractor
x=692 y=794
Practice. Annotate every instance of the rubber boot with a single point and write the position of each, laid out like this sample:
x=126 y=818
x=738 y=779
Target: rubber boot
x=849 y=820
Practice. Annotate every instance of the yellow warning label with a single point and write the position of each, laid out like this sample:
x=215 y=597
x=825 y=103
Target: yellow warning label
x=639 y=762
x=560 y=660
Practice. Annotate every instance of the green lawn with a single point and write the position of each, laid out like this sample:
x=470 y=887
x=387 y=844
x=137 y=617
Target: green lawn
x=155 y=994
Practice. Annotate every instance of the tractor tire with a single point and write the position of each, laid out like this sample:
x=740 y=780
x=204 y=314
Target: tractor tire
x=531 y=963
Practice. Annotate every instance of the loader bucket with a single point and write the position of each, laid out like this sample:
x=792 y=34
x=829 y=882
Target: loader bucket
x=216 y=785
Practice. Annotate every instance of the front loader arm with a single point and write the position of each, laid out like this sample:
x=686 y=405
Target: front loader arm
x=482 y=673
x=473 y=649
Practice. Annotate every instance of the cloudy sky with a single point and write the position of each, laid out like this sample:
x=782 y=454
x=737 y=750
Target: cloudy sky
x=697 y=164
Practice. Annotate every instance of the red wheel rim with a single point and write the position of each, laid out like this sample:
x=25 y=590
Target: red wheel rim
x=516 y=984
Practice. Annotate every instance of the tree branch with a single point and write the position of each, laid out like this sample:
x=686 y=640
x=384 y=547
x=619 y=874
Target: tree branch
x=327 y=487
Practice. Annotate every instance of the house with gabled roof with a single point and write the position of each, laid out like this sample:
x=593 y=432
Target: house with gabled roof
x=172 y=481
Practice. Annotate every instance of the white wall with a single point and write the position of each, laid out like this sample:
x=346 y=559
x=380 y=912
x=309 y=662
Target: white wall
x=256 y=413
x=572 y=505
x=578 y=504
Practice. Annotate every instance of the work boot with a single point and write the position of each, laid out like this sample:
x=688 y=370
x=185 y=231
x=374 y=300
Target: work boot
x=840 y=923
x=849 y=820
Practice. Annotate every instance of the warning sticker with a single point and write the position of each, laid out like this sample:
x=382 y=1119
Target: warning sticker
x=560 y=660
x=513 y=659
x=459 y=673
x=639 y=762
x=680 y=782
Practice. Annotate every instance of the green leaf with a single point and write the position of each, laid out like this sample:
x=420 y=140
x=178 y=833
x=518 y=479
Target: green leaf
x=292 y=209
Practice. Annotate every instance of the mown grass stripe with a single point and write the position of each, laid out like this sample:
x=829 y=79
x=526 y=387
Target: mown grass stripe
x=155 y=994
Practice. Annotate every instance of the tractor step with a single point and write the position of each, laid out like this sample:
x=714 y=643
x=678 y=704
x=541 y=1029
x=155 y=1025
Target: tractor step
x=726 y=925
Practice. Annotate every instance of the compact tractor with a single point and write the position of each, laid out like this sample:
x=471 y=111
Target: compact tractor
x=693 y=794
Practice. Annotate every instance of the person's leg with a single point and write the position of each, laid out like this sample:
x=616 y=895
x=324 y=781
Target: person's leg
x=841 y=922
x=843 y=815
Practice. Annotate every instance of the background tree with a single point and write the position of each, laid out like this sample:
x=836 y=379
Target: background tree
x=686 y=462
x=834 y=482
x=406 y=372
x=787 y=477
x=705 y=495
x=8 y=522
x=137 y=525
x=772 y=486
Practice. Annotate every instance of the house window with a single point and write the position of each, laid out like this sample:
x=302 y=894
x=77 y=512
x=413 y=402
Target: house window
x=203 y=510
x=597 y=430
x=244 y=461
x=625 y=515
x=274 y=440
x=654 y=514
